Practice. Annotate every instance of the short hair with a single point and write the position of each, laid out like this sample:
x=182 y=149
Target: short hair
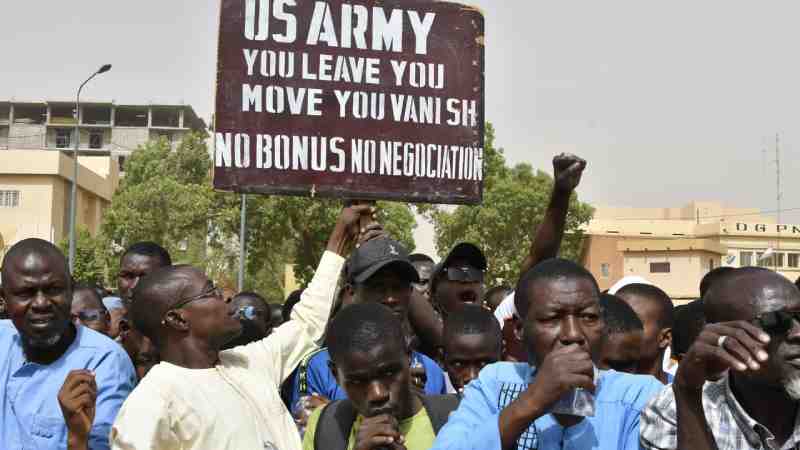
x=712 y=277
x=90 y=288
x=250 y=295
x=288 y=305
x=547 y=270
x=666 y=317
x=716 y=302
x=31 y=245
x=619 y=316
x=470 y=320
x=361 y=328
x=151 y=249
x=689 y=322
x=419 y=257
x=154 y=295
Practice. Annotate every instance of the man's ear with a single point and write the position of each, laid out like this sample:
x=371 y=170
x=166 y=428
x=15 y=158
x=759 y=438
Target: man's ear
x=175 y=320
x=665 y=338
x=334 y=370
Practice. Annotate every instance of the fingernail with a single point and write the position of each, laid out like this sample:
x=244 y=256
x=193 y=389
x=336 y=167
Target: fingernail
x=753 y=364
x=764 y=338
x=363 y=230
x=741 y=367
x=762 y=355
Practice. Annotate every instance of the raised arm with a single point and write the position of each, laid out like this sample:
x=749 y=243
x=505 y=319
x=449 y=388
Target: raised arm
x=546 y=240
x=286 y=347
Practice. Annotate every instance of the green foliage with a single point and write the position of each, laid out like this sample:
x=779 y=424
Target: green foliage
x=514 y=203
x=88 y=256
x=167 y=197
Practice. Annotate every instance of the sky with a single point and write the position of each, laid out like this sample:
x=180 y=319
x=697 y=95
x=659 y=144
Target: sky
x=668 y=101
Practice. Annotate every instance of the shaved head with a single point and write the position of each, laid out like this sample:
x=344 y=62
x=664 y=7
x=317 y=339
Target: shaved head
x=156 y=293
x=33 y=246
x=747 y=292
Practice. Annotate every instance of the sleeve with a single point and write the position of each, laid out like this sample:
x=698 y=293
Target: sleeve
x=115 y=377
x=311 y=429
x=282 y=351
x=506 y=310
x=143 y=423
x=475 y=424
x=658 y=426
x=320 y=379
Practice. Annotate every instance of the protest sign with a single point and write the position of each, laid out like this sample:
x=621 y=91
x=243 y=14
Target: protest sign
x=357 y=99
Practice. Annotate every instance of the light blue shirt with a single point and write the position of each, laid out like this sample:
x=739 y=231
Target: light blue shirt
x=619 y=399
x=31 y=416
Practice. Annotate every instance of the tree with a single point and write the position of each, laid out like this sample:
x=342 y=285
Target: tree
x=514 y=203
x=167 y=197
x=89 y=267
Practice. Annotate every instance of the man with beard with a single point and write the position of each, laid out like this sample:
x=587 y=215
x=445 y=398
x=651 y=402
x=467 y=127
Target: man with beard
x=379 y=272
x=199 y=397
x=738 y=386
x=43 y=350
x=370 y=359
x=511 y=405
x=254 y=313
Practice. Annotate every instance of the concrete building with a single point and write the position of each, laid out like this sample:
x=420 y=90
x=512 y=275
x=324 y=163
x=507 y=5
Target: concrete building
x=675 y=247
x=35 y=189
x=105 y=129
x=35 y=184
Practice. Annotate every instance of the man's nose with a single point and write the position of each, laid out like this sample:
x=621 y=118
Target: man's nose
x=377 y=394
x=571 y=331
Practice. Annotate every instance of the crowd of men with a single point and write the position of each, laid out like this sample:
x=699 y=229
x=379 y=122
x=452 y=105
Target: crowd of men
x=386 y=350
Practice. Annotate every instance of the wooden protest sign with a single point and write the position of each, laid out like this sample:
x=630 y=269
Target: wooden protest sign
x=351 y=99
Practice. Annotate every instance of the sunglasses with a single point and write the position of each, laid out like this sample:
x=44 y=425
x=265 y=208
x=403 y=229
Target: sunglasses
x=89 y=315
x=777 y=322
x=464 y=274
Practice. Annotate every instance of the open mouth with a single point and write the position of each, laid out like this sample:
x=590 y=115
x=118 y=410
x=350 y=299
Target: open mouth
x=468 y=297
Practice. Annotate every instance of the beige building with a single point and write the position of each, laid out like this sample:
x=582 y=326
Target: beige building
x=36 y=165
x=35 y=189
x=675 y=247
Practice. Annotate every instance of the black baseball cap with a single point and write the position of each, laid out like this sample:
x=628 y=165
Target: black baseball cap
x=470 y=253
x=376 y=254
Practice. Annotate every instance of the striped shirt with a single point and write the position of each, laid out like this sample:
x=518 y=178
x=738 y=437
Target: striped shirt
x=732 y=427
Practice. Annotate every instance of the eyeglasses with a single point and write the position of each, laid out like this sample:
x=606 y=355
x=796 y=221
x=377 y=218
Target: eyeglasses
x=464 y=274
x=89 y=315
x=777 y=322
x=210 y=291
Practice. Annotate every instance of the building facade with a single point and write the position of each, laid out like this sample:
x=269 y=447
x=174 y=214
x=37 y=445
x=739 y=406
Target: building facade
x=675 y=247
x=36 y=144
x=105 y=127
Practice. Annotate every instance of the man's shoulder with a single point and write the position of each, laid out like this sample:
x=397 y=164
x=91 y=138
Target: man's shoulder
x=506 y=373
x=632 y=390
x=102 y=348
x=7 y=332
x=318 y=359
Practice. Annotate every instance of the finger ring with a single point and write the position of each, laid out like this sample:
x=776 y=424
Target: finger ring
x=721 y=341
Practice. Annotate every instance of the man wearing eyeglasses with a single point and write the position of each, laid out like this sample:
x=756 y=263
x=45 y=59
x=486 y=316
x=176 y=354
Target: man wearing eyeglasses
x=88 y=309
x=738 y=386
x=199 y=397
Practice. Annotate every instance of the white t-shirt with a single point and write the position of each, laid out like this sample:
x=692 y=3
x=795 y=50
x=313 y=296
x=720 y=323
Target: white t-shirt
x=235 y=405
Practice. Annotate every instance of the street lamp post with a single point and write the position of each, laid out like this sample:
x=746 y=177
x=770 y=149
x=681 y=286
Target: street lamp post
x=74 y=198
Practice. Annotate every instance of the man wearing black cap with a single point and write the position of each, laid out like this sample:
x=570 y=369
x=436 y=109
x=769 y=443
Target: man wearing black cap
x=379 y=272
x=459 y=278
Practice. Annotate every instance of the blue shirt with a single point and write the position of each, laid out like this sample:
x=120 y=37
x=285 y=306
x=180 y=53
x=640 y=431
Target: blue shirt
x=31 y=416
x=619 y=399
x=320 y=380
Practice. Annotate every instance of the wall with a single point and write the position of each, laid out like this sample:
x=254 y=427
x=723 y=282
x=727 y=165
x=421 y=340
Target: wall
x=23 y=136
x=32 y=218
x=126 y=140
x=687 y=268
x=599 y=250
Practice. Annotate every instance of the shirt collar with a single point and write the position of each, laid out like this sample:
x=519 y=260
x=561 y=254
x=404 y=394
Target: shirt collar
x=755 y=432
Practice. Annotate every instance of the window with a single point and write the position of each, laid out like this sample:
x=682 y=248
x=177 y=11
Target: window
x=63 y=138
x=604 y=270
x=794 y=258
x=9 y=199
x=121 y=161
x=745 y=259
x=662 y=267
x=96 y=139
x=779 y=257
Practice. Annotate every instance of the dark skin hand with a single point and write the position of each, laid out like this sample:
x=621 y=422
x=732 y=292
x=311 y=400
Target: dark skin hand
x=566 y=368
x=379 y=432
x=77 y=399
x=743 y=350
x=567 y=172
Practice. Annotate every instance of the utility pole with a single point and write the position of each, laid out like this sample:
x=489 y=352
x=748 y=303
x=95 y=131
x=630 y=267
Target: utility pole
x=778 y=194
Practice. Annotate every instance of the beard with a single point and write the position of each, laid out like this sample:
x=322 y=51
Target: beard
x=792 y=386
